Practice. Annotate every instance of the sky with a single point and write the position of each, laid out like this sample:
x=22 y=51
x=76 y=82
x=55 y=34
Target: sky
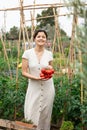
x=9 y=19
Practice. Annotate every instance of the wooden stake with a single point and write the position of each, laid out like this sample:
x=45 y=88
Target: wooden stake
x=6 y=56
x=71 y=51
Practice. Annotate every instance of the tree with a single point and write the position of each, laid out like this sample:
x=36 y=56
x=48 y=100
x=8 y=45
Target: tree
x=44 y=21
x=13 y=34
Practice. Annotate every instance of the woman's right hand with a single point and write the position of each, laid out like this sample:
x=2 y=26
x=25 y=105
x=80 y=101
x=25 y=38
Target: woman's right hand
x=41 y=78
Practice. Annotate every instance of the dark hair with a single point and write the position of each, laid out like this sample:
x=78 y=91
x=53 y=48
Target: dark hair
x=37 y=31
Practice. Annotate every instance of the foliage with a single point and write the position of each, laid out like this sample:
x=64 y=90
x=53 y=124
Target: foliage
x=3 y=65
x=13 y=34
x=25 y=121
x=81 y=50
x=67 y=125
x=1 y=46
x=57 y=60
x=67 y=104
x=14 y=52
x=11 y=97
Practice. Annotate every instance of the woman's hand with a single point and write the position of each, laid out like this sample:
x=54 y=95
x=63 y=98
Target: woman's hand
x=44 y=79
x=37 y=78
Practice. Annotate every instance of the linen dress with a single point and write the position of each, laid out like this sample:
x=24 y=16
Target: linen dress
x=40 y=94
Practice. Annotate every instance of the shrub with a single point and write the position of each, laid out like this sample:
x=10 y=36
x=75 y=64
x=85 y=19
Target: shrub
x=67 y=125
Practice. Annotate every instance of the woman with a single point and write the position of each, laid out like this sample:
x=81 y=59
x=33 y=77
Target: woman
x=40 y=93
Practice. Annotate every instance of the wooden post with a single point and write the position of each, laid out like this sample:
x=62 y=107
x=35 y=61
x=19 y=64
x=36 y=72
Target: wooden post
x=6 y=56
x=71 y=51
x=57 y=34
x=23 y=25
x=32 y=22
x=22 y=22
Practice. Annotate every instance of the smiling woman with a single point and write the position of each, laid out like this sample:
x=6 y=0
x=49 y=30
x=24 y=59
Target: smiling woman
x=40 y=93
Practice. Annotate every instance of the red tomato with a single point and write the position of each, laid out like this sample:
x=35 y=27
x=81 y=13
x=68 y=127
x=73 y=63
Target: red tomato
x=48 y=71
x=48 y=76
x=52 y=70
x=41 y=75
x=43 y=70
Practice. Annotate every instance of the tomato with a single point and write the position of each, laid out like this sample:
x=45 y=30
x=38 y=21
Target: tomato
x=52 y=70
x=41 y=75
x=50 y=76
x=43 y=70
x=46 y=76
x=46 y=73
x=49 y=71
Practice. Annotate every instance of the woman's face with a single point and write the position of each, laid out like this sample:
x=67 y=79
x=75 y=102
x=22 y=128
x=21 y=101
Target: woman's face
x=40 y=39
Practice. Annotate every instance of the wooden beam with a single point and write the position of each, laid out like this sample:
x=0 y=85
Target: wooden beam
x=16 y=125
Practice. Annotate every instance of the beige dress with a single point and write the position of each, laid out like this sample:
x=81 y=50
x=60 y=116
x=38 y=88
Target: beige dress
x=40 y=94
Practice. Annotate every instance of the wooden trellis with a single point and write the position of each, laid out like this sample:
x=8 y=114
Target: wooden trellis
x=71 y=51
